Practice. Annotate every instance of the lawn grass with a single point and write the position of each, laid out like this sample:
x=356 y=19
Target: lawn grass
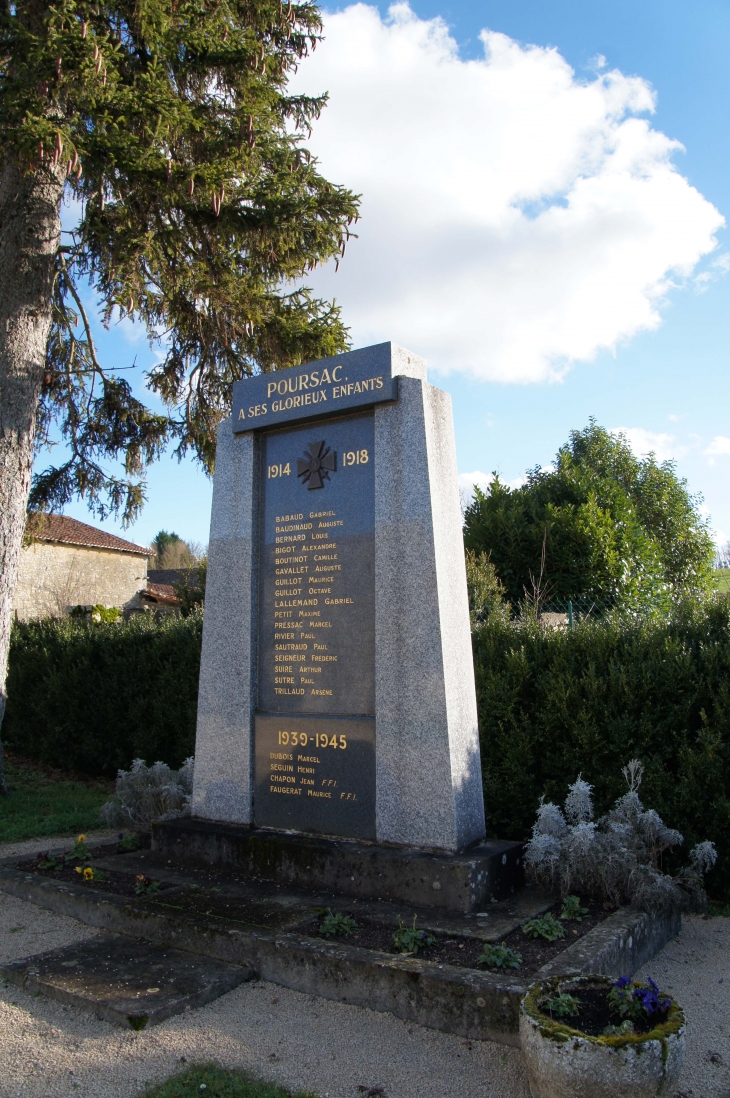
x=215 y=1082
x=721 y=577
x=43 y=801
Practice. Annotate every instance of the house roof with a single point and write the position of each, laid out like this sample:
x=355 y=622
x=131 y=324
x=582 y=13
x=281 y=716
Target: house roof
x=161 y=592
x=69 y=531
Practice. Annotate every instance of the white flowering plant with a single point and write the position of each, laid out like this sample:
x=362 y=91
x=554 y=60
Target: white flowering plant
x=144 y=794
x=617 y=858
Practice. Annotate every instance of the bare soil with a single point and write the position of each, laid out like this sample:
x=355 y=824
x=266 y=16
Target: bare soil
x=66 y=869
x=594 y=1014
x=465 y=952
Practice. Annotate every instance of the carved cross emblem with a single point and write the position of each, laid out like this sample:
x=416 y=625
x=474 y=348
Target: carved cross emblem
x=316 y=465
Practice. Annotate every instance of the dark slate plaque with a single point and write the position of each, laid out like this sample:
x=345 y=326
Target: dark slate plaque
x=316 y=652
x=317 y=569
x=328 y=387
x=316 y=774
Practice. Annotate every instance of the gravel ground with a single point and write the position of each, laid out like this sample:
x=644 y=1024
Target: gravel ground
x=303 y=1042
x=695 y=969
x=300 y=1041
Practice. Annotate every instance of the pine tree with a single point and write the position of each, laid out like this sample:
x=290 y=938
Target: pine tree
x=168 y=125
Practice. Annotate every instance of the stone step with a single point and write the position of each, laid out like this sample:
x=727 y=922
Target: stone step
x=470 y=881
x=128 y=982
x=266 y=928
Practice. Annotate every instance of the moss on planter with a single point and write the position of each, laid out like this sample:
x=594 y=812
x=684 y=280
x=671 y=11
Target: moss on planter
x=560 y=1032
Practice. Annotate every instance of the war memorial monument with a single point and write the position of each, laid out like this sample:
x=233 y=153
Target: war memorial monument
x=337 y=762
x=337 y=694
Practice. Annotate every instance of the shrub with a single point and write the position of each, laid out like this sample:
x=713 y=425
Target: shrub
x=94 y=696
x=337 y=925
x=487 y=595
x=555 y=703
x=499 y=956
x=617 y=858
x=144 y=794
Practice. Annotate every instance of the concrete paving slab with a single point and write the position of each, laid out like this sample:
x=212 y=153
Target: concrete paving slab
x=51 y=1050
x=125 y=981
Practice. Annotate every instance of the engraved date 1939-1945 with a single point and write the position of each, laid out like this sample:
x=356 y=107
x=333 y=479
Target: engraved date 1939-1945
x=301 y=739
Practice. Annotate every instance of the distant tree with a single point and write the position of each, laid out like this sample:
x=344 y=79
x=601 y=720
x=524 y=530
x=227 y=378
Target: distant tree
x=191 y=587
x=160 y=543
x=613 y=528
x=168 y=127
x=722 y=555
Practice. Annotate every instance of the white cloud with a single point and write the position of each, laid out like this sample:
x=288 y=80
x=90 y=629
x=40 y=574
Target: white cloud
x=515 y=219
x=482 y=481
x=720 y=266
x=644 y=442
x=468 y=480
x=719 y=447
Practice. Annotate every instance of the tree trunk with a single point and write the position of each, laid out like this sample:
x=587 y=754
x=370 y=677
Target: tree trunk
x=30 y=230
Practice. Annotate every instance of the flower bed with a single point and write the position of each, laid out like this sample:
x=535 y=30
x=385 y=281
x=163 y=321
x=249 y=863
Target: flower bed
x=77 y=867
x=595 y=1037
x=533 y=952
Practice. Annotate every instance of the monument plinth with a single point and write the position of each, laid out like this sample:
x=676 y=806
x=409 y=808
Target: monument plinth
x=337 y=692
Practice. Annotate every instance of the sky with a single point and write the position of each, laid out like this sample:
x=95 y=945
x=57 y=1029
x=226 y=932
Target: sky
x=544 y=193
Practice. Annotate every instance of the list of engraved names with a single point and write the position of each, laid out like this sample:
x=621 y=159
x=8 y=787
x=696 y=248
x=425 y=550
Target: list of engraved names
x=317 y=585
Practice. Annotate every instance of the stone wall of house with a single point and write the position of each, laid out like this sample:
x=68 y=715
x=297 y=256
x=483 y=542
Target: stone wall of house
x=54 y=577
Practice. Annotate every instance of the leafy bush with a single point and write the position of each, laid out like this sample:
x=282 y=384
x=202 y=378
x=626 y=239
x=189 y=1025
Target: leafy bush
x=337 y=925
x=555 y=703
x=94 y=696
x=499 y=956
x=544 y=926
x=571 y=910
x=409 y=940
x=147 y=793
x=487 y=595
x=617 y=858
x=563 y=1005
x=98 y=612
x=191 y=588
x=600 y=525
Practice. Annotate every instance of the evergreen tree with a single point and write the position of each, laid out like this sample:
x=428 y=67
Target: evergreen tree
x=168 y=126
x=601 y=526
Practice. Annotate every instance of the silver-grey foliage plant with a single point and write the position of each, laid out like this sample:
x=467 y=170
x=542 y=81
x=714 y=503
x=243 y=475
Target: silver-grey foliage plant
x=618 y=857
x=144 y=794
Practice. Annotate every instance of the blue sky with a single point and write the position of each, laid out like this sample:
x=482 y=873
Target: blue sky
x=548 y=314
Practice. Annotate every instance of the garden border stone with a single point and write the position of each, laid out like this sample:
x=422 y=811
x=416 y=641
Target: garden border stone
x=473 y=1004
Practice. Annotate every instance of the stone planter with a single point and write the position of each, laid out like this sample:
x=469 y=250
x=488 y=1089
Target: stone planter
x=562 y=1062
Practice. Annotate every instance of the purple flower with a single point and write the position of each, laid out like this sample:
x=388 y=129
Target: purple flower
x=622 y=982
x=649 y=998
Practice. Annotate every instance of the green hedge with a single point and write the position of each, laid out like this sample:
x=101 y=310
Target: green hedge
x=552 y=703
x=555 y=703
x=93 y=697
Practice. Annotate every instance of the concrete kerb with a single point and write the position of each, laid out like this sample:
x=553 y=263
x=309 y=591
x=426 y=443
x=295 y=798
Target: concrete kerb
x=475 y=1005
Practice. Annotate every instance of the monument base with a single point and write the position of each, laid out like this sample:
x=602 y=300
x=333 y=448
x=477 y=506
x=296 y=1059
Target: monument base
x=486 y=872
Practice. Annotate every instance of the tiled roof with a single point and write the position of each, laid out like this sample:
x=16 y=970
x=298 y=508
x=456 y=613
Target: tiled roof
x=69 y=531
x=161 y=592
